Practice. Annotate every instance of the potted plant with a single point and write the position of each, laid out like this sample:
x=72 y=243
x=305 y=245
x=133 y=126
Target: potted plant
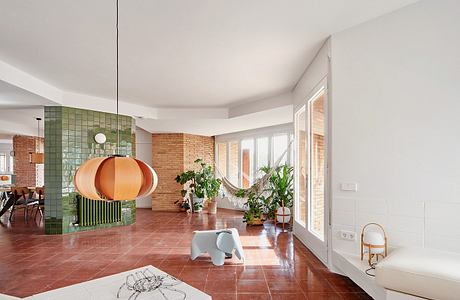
x=254 y=214
x=191 y=190
x=200 y=186
x=209 y=184
x=282 y=192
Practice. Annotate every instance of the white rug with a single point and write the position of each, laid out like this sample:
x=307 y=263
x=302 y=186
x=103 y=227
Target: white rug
x=139 y=284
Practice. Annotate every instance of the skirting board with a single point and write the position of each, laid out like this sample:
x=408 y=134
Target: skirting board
x=352 y=267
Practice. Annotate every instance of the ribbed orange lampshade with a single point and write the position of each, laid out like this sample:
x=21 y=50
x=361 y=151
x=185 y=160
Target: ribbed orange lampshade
x=115 y=178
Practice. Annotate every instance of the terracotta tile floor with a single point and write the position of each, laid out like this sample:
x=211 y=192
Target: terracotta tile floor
x=277 y=266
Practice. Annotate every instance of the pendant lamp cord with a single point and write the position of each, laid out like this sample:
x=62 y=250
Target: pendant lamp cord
x=118 y=128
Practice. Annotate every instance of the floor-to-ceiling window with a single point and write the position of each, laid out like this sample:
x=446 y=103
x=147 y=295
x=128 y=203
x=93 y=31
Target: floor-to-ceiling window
x=233 y=159
x=240 y=158
x=222 y=159
x=311 y=206
x=247 y=162
x=280 y=148
x=263 y=154
x=301 y=167
x=317 y=166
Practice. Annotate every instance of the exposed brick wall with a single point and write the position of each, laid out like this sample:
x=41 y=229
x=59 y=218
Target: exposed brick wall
x=197 y=146
x=26 y=173
x=172 y=154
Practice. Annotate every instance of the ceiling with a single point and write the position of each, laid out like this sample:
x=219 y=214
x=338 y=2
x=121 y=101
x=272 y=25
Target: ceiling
x=19 y=109
x=20 y=121
x=13 y=97
x=175 y=53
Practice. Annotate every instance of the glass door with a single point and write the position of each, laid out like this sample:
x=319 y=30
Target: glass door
x=316 y=167
x=311 y=205
x=300 y=168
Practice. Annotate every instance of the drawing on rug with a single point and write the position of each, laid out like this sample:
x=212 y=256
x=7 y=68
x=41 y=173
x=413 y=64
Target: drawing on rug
x=145 y=282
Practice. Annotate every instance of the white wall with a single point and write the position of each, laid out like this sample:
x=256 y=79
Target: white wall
x=144 y=153
x=395 y=126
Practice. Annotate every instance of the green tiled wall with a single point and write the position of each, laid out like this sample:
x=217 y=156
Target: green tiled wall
x=69 y=141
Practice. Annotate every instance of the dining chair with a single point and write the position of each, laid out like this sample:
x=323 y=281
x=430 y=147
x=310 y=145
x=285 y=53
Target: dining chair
x=22 y=200
x=40 y=206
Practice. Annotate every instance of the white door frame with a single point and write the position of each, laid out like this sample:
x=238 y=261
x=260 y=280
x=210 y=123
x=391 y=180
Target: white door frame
x=318 y=247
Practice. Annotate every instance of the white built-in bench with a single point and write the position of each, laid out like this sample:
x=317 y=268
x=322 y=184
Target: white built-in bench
x=426 y=273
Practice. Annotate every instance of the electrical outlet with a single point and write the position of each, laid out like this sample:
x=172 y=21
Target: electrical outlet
x=347 y=235
x=351 y=187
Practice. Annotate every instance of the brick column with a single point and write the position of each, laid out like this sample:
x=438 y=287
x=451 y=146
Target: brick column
x=24 y=170
x=172 y=154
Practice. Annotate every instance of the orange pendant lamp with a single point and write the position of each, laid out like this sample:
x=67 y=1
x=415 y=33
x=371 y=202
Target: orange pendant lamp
x=38 y=157
x=116 y=177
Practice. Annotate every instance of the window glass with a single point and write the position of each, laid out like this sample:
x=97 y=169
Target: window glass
x=233 y=162
x=221 y=159
x=317 y=164
x=262 y=154
x=247 y=162
x=301 y=167
x=2 y=162
x=240 y=160
x=39 y=175
x=11 y=164
x=291 y=150
x=280 y=144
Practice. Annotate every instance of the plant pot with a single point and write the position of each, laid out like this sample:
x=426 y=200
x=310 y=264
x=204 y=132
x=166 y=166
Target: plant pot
x=256 y=222
x=198 y=201
x=283 y=216
x=212 y=207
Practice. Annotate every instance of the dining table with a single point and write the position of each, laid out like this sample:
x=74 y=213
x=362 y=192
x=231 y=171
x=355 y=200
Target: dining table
x=5 y=202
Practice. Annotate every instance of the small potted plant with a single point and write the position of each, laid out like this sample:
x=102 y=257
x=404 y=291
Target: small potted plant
x=254 y=214
x=282 y=192
x=211 y=186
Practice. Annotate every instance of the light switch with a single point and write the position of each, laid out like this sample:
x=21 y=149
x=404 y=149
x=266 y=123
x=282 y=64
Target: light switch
x=353 y=187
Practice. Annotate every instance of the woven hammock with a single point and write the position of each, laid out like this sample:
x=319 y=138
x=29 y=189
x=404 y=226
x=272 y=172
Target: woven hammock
x=257 y=186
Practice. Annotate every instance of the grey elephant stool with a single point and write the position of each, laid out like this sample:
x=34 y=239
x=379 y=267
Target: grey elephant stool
x=218 y=243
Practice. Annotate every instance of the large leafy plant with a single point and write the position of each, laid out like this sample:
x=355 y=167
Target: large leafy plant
x=281 y=187
x=279 y=190
x=254 y=203
x=202 y=182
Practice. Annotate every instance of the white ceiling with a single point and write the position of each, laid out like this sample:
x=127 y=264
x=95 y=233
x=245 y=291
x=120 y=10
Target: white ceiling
x=12 y=97
x=20 y=121
x=214 y=126
x=175 y=53
x=18 y=111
